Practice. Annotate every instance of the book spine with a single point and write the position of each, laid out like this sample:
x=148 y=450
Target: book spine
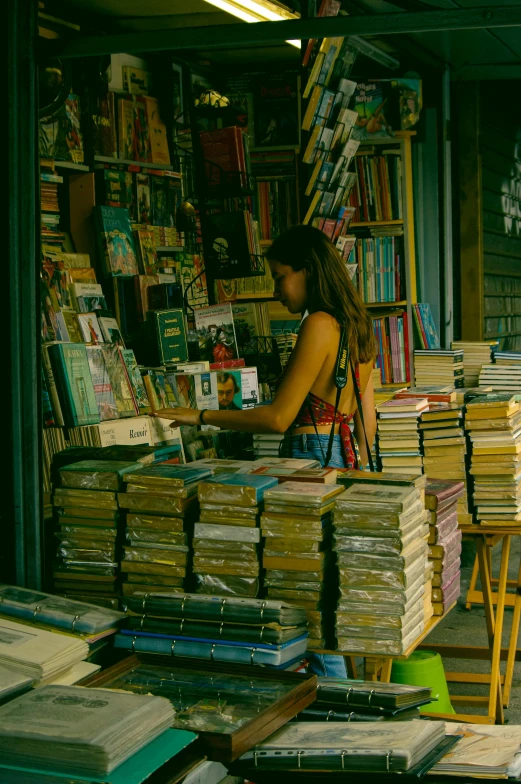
x=51 y=384
x=406 y=347
x=59 y=372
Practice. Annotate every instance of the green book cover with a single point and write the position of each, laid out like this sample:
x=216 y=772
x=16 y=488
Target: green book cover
x=74 y=381
x=136 y=380
x=116 y=243
x=169 y=329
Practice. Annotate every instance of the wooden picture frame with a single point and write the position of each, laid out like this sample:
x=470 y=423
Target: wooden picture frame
x=220 y=746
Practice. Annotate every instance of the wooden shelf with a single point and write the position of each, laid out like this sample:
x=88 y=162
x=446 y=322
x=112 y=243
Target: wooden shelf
x=399 y=303
x=253 y=296
x=141 y=164
x=169 y=248
x=398 y=222
x=71 y=165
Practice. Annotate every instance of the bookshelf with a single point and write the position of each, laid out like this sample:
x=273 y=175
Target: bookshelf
x=401 y=143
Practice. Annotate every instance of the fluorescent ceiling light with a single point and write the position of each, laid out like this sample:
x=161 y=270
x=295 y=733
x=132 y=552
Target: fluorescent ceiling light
x=256 y=11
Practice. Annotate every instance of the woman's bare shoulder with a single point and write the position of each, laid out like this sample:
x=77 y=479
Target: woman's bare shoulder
x=321 y=320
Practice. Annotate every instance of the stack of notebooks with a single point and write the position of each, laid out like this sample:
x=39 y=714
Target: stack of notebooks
x=88 y=530
x=320 y=476
x=504 y=375
x=222 y=465
x=226 y=539
x=494 y=425
x=475 y=354
x=37 y=653
x=78 y=734
x=438 y=366
x=297 y=556
x=441 y=501
x=380 y=537
x=161 y=501
x=445 y=449
x=346 y=700
x=285 y=344
x=220 y=628
x=267 y=444
x=398 y=435
x=368 y=748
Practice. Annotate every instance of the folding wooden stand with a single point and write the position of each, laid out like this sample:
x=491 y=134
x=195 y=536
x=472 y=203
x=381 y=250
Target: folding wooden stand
x=500 y=686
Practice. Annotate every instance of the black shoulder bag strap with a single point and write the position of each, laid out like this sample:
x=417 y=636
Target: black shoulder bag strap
x=361 y=413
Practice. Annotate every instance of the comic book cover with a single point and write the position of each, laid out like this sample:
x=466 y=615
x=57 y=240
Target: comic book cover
x=116 y=244
x=216 y=333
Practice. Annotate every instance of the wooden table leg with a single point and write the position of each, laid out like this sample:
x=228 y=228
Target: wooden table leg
x=495 y=673
x=351 y=667
x=495 y=701
x=512 y=645
x=385 y=675
x=373 y=665
x=473 y=583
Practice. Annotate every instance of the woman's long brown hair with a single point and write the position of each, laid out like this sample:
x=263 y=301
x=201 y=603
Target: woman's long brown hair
x=329 y=286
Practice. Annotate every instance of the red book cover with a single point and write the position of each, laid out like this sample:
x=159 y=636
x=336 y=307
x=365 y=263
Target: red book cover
x=393 y=326
x=439 y=491
x=387 y=349
x=221 y=148
x=406 y=346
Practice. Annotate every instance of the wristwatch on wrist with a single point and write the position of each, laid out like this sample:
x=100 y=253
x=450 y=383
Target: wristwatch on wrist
x=201 y=420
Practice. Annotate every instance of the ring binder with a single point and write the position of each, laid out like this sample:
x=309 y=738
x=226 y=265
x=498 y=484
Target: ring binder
x=185 y=597
x=145 y=597
x=142 y=621
x=36 y=609
x=222 y=607
x=134 y=640
x=181 y=625
x=172 y=648
x=387 y=760
x=263 y=605
x=369 y=699
x=212 y=649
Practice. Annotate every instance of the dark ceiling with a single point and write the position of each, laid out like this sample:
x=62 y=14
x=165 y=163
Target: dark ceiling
x=470 y=54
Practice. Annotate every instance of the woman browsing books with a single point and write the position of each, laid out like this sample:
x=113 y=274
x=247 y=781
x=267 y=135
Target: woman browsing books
x=311 y=277
x=317 y=397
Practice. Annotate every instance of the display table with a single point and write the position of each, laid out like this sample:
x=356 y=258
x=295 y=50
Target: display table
x=499 y=685
x=379 y=667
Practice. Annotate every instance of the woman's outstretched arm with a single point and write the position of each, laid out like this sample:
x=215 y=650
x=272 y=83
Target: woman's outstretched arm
x=316 y=336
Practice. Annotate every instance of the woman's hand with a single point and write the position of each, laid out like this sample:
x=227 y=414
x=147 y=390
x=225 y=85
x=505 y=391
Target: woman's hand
x=179 y=416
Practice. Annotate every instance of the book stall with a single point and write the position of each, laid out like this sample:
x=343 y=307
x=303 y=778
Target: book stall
x=192 y=576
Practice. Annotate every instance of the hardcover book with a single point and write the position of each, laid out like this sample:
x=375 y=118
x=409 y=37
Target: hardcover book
x=159 y=201
x=147 y=255
x=90 y=328
x=103 y=392
x=110 y=330
x=143 y=198
x=216 y=333
x=71 y=371
x=142 y=149
x=103 y=124
x=136 y=381
x=68 y=323
x=115 y=241
x=119 y=380
x=169 y=331
x=229 y=238
x=157 y=132
x=125 y=129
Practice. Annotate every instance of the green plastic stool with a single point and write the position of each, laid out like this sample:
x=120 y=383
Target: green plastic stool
x=425 y=668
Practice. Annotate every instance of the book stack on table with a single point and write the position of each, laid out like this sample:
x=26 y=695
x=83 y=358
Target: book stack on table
x=220 y=628
x=494 y=425
x=380 y=537
x=441 y=500
x=505 y=374
x=347 y=700
x=161 y=502
x=438 y=366
x=475 y=354
x=398 y=435
x=297 y=556
x=227 y=537
x=89 y=530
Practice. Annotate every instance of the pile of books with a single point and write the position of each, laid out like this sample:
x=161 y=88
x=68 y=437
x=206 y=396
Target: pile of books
x=444 y=449
x=438 y=366
x=475 y=354
x=505 y=374
x=226 y=539
x=88 y=518
x=346 y=700
x=285 y=343
x=441 y=500
x=220 y=628
x=72 y=733
x=494 y=425
x=161 y=502
x=297 y=556
x=267 y=444
x=380 y=537
x=392 y=340
x=398 y=435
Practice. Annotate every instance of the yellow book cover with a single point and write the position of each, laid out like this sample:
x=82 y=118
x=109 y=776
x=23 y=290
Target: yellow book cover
x=442 y=451
x=312 y=143
x=135 y=80
x=313 y=178
x=439 y=442
x=157 y=132
x=510 y=449
x=312 y=107
x=313 y=206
